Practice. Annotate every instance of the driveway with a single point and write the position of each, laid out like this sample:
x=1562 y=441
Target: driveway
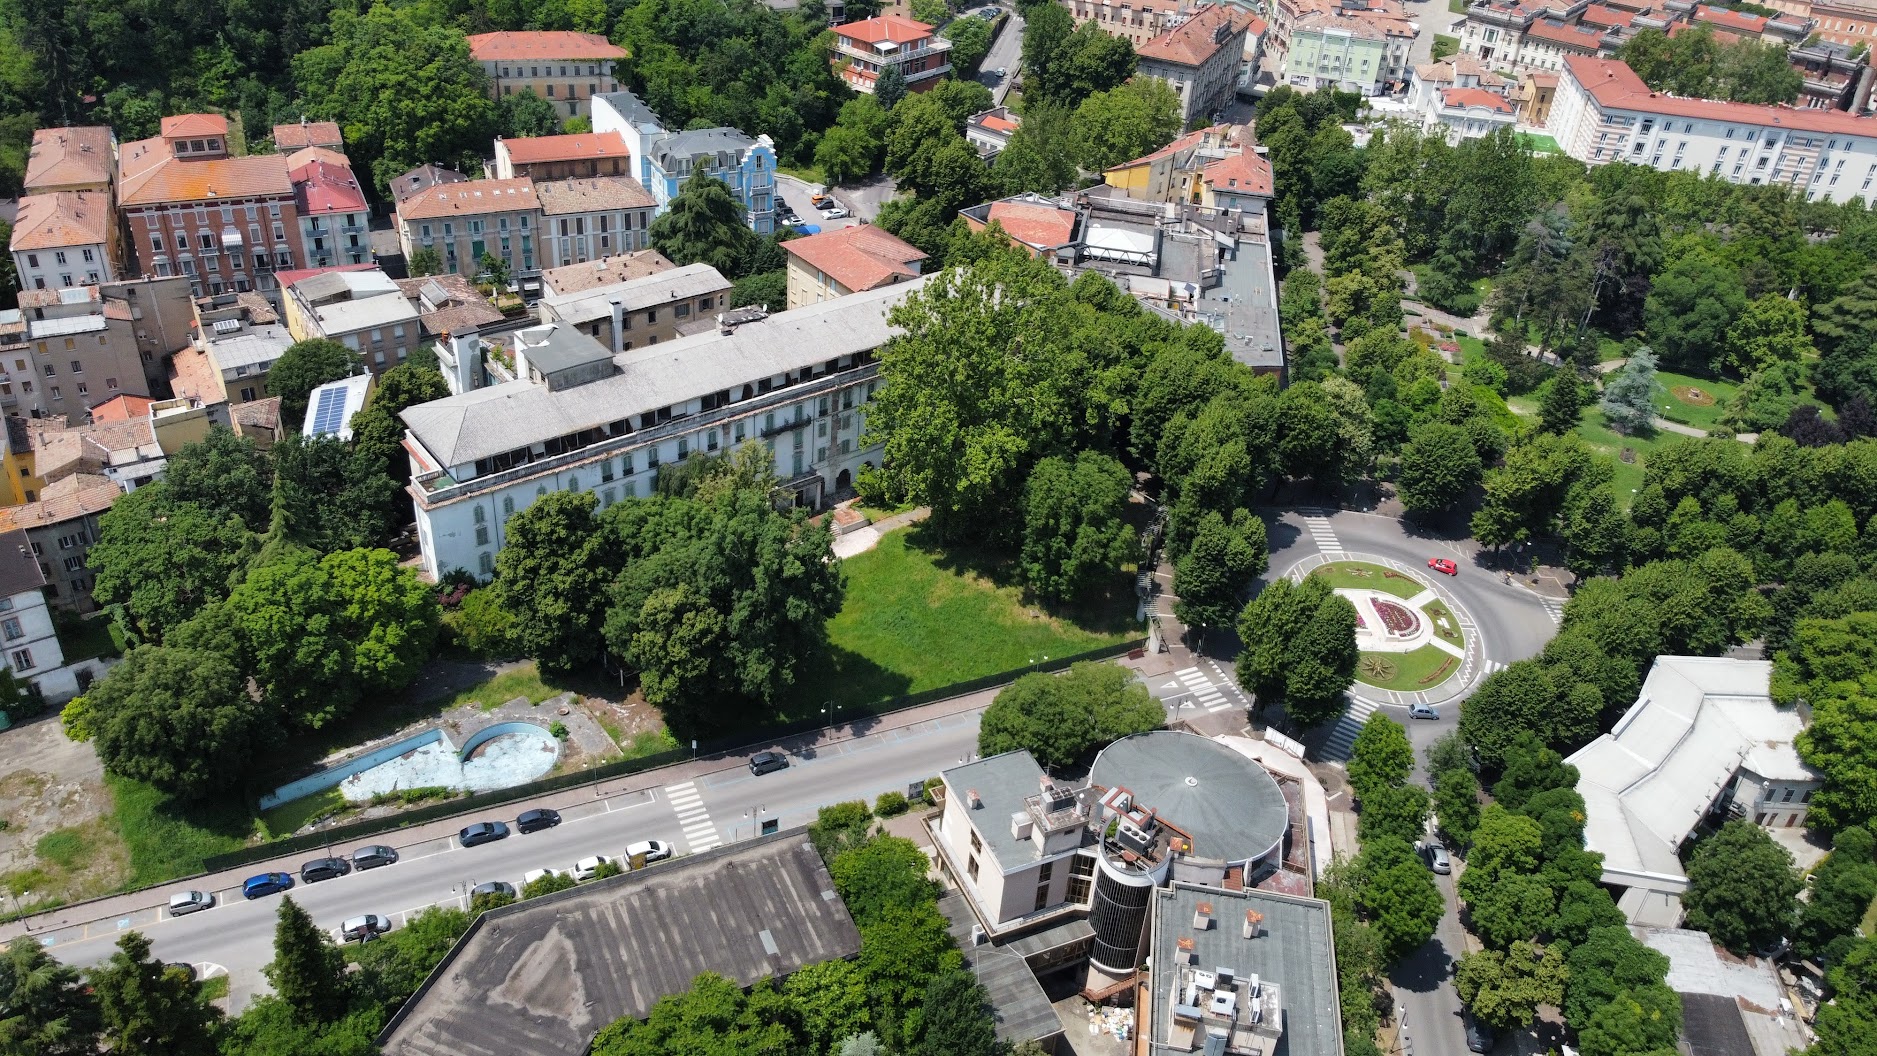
x=798 y=192
x=1006 y=54
x=1432 y=16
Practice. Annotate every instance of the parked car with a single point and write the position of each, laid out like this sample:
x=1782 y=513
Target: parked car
x=1479 y=1037
x=1437 y=859
x=1000 y=73
x=324 y=869
x=494 y=887
x=767 y=762
x=820 y=201
x=364 y=928
x=532 y=875
x=1441 y=564
x=482 y=832
x=586 y=867
x=1423 y=711
x=183 y=903
x=806 y=229
x=987 y=12
x=182 y=968
x=374 y=856
x=537 y=819
x=265 y=884
x=836 y=213
x=653 y=850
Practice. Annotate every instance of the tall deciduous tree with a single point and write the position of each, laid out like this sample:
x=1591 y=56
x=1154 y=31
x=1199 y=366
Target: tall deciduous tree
x=1073 y=532
x=1300 y=649
x=1224 y=557
x=305 y=366
x=1505 y=989
x=552 y=574
x=178 y=718
x=1439 y=466
x=1126 y=122
x=149 y=1008
x=956 y=1020
x=706 y=225
x=1741 y=888
x=1061 y=718
x=162 y=560
x=522 y=114
x=1381 y=756
x=1690 y=308
x=328 y=498
x=224 y=474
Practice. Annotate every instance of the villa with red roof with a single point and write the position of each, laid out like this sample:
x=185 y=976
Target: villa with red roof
x=1464 y=95
x=567 y=69
x=334 y=216
x=848 y=260
x=566 y=157
x=1216 y=167
x=862 y=49
x=1038 y=224
x=1604 y=112
x=991 y=130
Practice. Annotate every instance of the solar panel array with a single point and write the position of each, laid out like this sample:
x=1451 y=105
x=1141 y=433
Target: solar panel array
x=329 y=412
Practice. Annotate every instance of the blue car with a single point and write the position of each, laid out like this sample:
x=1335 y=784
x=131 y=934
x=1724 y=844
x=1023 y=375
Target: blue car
x=266 y=884
x=806 y=229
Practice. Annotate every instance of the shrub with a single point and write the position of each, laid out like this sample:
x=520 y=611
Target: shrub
x=891 y=805
x=547 y=885
x=558 y=729
x=606 y=869
x=76 y=718
x=482 y=627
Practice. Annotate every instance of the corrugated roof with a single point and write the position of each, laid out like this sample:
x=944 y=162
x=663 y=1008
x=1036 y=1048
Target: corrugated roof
x=534 y=150
x=542 y=45
x=69 y=157
x=860 y=257
x=61 y=219
x=474 y=198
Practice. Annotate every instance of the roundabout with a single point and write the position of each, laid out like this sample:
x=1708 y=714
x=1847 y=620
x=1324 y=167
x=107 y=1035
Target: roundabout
x=1415 y=645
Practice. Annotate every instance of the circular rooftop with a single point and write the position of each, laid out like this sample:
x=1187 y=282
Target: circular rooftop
x=1225 y=801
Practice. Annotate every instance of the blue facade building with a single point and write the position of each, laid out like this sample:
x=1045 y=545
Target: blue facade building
x=665 y=160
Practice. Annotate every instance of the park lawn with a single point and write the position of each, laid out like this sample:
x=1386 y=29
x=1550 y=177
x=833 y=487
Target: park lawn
x=1361 y=575
x=522 y=681
x=1606 y=441
x=918 y=618
x=1424 y=668
x=1445 y=46
x=167 y=837
x=1699 y=402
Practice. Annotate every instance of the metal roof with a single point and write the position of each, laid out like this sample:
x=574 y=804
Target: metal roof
x=1225 y=801
x=586 y=306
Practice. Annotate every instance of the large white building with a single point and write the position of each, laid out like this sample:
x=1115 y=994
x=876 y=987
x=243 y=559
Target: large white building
x=1603 y=112
x=577 y=417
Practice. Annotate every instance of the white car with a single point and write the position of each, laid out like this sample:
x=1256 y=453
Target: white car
x=532 y=875
x=653 y=850
x=185 y=902
x=836 y=213
x=364 y=928
x=586 y=867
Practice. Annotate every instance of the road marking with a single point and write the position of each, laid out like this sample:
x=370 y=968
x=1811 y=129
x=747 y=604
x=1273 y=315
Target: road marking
x=1324 y=535
x=1337 y=746
x=1553 y=608
x=700 y=833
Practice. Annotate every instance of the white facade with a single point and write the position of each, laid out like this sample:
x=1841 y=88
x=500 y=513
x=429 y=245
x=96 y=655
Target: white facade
x=1604 y=113
x=32 y=651
x=54 y=269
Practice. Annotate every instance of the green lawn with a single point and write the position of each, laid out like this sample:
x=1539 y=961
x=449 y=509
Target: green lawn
x=1361 y=575
x=288 y=818
x=1424 y=668
x=804 y=173
x=167 y=838
x=1868 y=925
x=1445 y=46
x=523 y=681
x=1699 y=402
x=918 y=617
x=1536 y=142
x=1605 y=441
x=82 y=638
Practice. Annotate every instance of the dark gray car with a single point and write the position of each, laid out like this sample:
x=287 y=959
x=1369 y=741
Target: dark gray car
x=482 y=832
x=374 y=856
x=324 y=869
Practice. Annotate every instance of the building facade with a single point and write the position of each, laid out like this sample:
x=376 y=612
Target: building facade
x=73 y=350
x=363 y=310
x=65 y=238
x=29 y=644
x=567 y=69
x=1351 y=53
x=667 y=160
x=587 y=154
x=847 y=260
x=862 y=49
x=334 y=216
x=589 y=219
x=1201 y=58
x=1462 y=95
x=1139 y=23
x=644 y=311
x=61 y=526
x=462 y=221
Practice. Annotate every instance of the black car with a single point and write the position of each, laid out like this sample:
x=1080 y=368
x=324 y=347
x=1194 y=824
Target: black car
x=374 y=856
x=767 y=762
x=324 y=869
x=1479 y=1036
x=537 y=819
x=482 y=832
x=494 y=887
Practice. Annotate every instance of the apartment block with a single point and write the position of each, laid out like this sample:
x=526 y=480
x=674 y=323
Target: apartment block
x=65 y=238
x=363 y=310
x=862 y=49
x=562 y=157
x=72 y=350
x=1138 y=22
x=667 y=160
x=29 y=644
x=848 y=260
x=588 y=219
x=61 y=526
x=334 y=216
x=239 y=338
x=462 y=221
x=82 y=158
x=567 y=69
x=1201 y=57
x=1217 y=168
x=644 y=311
x=1376 y=30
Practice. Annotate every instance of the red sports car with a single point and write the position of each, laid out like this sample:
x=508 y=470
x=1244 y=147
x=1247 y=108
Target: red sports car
x=1441 y=564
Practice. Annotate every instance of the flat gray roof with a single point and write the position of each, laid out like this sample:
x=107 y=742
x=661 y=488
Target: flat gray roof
x=1002 y=783
x=553 y=347
x=590 y=305
x=254 y=345
x=1018 y=1004
x=1225 y=801
x=543 y=976
x=1294 y=950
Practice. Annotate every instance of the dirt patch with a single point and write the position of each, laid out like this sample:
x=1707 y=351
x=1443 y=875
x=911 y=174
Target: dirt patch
x=1692 y=396
x=57 y=842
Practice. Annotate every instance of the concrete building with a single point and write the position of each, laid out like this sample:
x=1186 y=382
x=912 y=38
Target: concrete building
x=239 y=339
x=301 y=134
x=1388 y=16
x=1835 y=76
x=1139 y=23
x=74 y=349
x=604 y=271
x=1201 y=57
x=363 y=310
x=991 y=130
x=644 y=311
x=796 y=382
x=1703 y=743
x=667 y=160
x=82 y=158
x=1349 y=51
x=1848 y=22
x=567 y=69
x=65 y=238
x=562 y=157
x=847 y=260
x=1462 y=95
x=62 y=525
x=862 y=49
x=29 y=644
x=462 y=221
x=1536 y=92
x=592 y=218
x=1603 y=112
x=1216 y=167
x=334 y=216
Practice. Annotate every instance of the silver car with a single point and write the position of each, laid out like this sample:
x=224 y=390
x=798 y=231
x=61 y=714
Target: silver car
x=183 y=903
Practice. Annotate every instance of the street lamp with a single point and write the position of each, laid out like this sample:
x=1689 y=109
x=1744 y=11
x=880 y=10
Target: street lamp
x=755 y=814
x=828 y=709
x=18 y=911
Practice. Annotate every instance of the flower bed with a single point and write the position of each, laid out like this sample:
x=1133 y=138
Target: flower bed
x=1399 y=619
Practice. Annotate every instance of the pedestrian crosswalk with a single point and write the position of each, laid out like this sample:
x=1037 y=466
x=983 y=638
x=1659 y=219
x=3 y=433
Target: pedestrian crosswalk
x=1322 y=533
x=1199 y=691
x=1554 y=607
x=700 y=833
x=1342 y=738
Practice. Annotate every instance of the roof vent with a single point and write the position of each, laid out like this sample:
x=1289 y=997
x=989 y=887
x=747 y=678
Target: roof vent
x=971 y=796
x=1186 y=952
x=1254 y=923
x=1202 y=916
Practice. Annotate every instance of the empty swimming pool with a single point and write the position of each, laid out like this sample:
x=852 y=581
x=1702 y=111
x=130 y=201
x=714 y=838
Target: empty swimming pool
x=498 y=756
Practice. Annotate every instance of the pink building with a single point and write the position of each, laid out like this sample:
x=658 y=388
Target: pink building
x=863 y=49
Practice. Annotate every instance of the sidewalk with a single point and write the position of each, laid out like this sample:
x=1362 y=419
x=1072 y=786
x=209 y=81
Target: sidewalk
x=861 y=540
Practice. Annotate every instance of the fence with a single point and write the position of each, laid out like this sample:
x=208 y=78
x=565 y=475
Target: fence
x=627 y=767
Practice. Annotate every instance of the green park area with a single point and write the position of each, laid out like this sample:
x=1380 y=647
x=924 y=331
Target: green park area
x=1362 y=575
x=1417 y=669
x=1424 y=668
x=1700 y=402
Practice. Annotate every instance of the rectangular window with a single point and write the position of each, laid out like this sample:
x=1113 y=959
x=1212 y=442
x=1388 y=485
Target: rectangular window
x=22 y=659
x=73 y=564
x=482 y=535
x=12 y=629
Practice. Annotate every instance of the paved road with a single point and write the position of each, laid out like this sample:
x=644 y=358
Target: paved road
x=797 y=193
x=693 y=814
x=1006 y=54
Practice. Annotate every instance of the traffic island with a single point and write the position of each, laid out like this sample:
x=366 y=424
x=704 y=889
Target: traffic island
x=1407 y=638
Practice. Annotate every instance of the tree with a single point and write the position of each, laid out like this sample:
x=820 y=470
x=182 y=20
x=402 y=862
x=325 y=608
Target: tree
x=713 y=1017
x=1073 y=533
x=524 y=114
x=1838 y=892
x=971 y=41
x=308 y=971
x=1528 y=770
x=1439 y=466
x=400 y=960
x=1771 y=330
x=1505 y=989
x=1741 y=887
x=1404 y=906
x=1691 y=307
x=1300 y=649
x=44 y=1009
x=1456 y=803
x=547 y=883
x=179 y=718
x=1645 y=1020
x=148 y=1008
x=305 y=366
x=1629 y=397
x=162 y=560
x=1223 y=558
x=552 y=576
x=224 y=474
x=1061 y=718
x=328 y=498
x=1512 y=700
x=831 y=999
x=1124 y=123
x=705 y=225
x=494 y=271
x=890 y=87
x=1561 y=403
x=425 y=261
x=1381 y=757
x=956 y=1018
x=378 y=432
x=1399 y=811
x=846 y=153
x=1041 y=154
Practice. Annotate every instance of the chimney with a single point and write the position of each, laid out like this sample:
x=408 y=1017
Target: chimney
x=1202 y=916
x=619 y=325
x=1254 y=923
x=971 y=797
x=1187 y=951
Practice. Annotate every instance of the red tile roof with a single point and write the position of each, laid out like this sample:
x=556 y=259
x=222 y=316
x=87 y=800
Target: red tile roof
x=1570 y=36
x=542 y=45
x=1194 y=41
x=895 y=28
x=173 y=180
x=307 y=155
x=303 y=133
x=62 y=218
x=123 y=408
x=1615 y=86
x=1476 y=97
x=1603 y=15
x=67 y=157
x=1246 y=172
x=91 y=494
x=321 y=188
x=862 y=257
x=192 y=376
x=997 y=124
x=1190 y=139
x=537 y=149
x=1042 y=226
x=187 y=126
x=589 y=194
x=1543 y=80
x=472 y=198
x=1731 y=21
x=573 y=278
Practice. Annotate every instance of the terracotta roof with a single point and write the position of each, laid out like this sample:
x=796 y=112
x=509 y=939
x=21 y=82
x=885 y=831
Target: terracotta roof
x=538 y=149
x=895 y=28
x=573 y=278
x=188 y=126
x=1457 y=66
x=474 y=198
x=997 y=124
x=551 y=44
x=257 y=414
x=320 y=188
x=67 y=157
x=592 y=193
x=192 y=376
x=1544 y=80
x=861 y=257
x=303 y=133
x=1190 y=139
x=61 y=449
x=62 y=218
x=69 y=498
x=1475 y=97
x=1246 y=172
x=42 y=298
x=174 y=180
x=1039 y=225
x=1570 y=36
x=1255 y=26
x=1354 y=25
x=1197 y=39
x=465 y=308
x=1617 y=87
x=1734 y=21
x=307 y=155
x=122 y=408
x=118 y=310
